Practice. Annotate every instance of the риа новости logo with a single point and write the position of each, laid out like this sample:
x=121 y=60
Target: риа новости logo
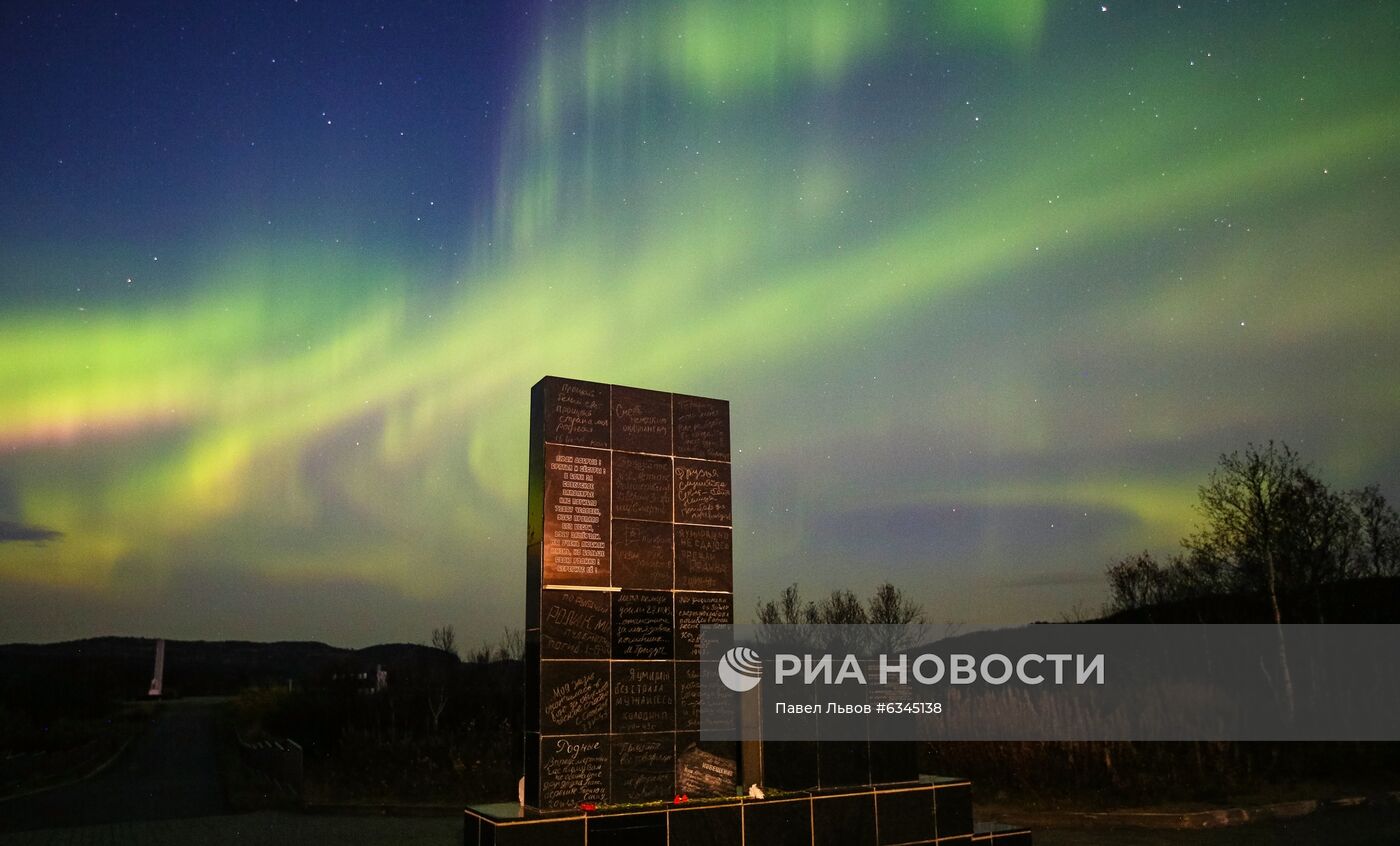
x=741 y=669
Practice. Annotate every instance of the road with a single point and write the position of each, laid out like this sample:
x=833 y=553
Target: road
x=171 y=771
x=166 y=790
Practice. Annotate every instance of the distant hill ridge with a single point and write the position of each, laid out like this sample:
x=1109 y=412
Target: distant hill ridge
x=120 y=666
x=1369 y=600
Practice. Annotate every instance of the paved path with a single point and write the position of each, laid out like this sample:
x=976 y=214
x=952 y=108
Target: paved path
x=165 y=791
x=171 y=771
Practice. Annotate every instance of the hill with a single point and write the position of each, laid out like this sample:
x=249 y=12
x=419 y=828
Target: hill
x=1371 y=600
x=80 y=678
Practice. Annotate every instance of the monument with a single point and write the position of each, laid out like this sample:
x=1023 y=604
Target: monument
x=629 y=552
x=158 y=678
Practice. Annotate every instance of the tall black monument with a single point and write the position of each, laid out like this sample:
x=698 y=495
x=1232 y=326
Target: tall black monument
x=630 y=551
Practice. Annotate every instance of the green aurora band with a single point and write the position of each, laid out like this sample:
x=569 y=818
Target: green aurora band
x=940 y=262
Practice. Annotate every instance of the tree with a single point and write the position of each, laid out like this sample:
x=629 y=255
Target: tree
x=440 y=680
x=512 y=645
x=1269 y=527
x=1249 y=505
x=1245 y=506
x=445 y=638
x=1134 y=582
x=1323 y=537
x=1272 y=527
x=842 y=607
x=1140 y=581
x=1379 y=527
x=787 y=610
x=890 y=607
x=900 y=619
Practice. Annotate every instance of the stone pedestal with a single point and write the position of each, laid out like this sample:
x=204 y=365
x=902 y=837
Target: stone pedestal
x=931 y=810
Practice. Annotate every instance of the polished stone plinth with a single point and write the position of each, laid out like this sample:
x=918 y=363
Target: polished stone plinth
x=932 y=810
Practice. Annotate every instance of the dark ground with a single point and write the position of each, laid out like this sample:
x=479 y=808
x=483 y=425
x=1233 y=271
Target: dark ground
x=264 y=828
x=1355 y=827
x=1348 y=827
x=169 y=772
x=165 y=790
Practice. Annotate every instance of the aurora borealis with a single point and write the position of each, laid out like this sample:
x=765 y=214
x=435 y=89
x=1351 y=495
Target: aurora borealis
x=989 y=287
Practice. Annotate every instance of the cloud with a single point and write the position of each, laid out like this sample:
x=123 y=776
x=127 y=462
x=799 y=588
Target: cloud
x=13 y=531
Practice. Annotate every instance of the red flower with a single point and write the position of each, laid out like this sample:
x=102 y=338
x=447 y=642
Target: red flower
x=588 y=806
x=681 y=797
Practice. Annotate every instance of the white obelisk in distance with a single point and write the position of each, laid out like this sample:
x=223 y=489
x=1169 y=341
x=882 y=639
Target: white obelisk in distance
x=157 y=680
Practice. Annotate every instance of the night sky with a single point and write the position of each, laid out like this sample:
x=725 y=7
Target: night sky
x=989 y=287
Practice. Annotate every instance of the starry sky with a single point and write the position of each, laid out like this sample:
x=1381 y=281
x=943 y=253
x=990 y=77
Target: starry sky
x=989 y=285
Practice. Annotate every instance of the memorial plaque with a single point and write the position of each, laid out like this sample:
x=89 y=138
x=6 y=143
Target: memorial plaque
x=574 y=697
x=629 y=552
x=719 y=705
x=641 y=420
x=702 y=773
x=573 y=770
x=704 y=558
x=641 y=554
x=576 y=412
x=576 y=624
x=576 y=524
x=694 y=610
x=701 y=427
x=643 y=767
x=688 y=696
x=643 y=624
x=702 y=492
x=641 y=487
x=643 y=696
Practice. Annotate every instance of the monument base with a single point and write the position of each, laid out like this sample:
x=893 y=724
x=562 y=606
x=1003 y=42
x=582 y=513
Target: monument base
x=932 y=810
